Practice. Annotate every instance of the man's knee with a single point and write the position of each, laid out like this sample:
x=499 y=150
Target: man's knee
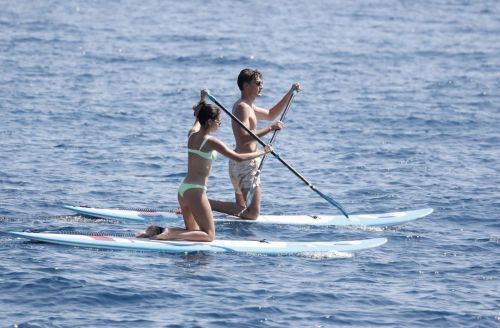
x=250 y=214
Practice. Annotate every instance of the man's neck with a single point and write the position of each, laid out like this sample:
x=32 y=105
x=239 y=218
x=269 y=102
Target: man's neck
x=248 y=99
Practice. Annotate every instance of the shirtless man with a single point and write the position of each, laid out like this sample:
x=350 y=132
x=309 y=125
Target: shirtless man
x=241 y=173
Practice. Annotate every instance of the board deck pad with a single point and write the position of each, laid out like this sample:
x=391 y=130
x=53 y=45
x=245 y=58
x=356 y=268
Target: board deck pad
x=240 y=246
x=370 y=220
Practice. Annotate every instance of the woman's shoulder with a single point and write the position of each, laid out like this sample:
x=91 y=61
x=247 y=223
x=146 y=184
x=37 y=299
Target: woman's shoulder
x=193 y=131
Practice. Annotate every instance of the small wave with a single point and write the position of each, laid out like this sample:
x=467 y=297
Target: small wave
x=5 y=219
x=176 y=175
x=363 y=228
x=325 y=255
x=81 y=219
x=493 y=239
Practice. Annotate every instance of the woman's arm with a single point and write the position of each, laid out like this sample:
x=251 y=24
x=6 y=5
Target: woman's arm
x=221 y=148
x=196 y=108
x=195 y=128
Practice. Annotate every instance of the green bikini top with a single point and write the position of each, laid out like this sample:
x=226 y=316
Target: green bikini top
x=210 y=155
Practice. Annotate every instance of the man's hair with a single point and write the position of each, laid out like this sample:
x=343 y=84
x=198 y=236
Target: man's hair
x=247 y=75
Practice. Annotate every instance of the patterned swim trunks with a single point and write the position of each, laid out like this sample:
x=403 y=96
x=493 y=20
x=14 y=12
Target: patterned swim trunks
x=242 y=174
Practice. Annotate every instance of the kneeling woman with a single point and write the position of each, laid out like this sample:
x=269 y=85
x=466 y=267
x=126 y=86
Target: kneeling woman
x=202 y=150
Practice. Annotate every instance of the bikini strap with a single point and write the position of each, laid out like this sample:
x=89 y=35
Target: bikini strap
x=203 y=143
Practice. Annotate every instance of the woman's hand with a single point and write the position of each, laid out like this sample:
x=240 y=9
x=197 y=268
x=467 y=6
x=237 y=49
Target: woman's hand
x=203 y=94
x=295 y=87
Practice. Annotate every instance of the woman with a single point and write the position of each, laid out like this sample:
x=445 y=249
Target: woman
x=193 y=200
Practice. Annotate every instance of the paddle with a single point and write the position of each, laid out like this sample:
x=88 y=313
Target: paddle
x=251 y=192
x=325 y=197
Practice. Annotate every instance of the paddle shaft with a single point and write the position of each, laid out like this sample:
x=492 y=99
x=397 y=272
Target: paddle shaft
x=251 y=192
x=288 y=166
x=276 y=131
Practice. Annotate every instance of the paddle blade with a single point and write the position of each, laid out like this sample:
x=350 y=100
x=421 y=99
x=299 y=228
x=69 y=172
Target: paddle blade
x=331 y=201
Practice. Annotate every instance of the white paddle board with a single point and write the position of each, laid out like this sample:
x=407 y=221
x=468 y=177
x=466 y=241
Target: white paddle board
x=243 y=246
x=371 y=220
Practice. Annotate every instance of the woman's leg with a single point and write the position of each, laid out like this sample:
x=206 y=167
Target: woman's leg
x=151 y=231
x=189 y=220
x=195 y=202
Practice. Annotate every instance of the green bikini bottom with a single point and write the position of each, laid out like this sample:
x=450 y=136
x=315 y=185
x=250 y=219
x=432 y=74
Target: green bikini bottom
x=186 y=186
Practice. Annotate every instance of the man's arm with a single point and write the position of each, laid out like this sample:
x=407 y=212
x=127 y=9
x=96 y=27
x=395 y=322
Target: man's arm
x=242 y=112
x=271 y=114
x=278 y=125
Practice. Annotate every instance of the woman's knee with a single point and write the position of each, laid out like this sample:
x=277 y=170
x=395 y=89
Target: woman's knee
x=210 y=236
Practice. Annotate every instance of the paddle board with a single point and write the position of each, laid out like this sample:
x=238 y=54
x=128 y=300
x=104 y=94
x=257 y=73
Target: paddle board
x=243 y=246
x=371 y=220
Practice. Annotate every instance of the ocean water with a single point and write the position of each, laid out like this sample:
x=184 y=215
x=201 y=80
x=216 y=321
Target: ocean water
x=399 y=109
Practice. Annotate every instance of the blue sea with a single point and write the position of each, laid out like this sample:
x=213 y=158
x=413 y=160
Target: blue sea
x=399 y=110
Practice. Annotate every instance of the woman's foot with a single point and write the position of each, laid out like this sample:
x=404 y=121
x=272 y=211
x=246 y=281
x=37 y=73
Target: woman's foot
x=151 y=231
x=162 y=236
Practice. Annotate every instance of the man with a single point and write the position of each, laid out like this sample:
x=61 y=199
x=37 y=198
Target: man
x=250 y=84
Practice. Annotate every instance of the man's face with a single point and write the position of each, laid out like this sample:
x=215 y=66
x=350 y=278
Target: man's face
x=257 y=85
